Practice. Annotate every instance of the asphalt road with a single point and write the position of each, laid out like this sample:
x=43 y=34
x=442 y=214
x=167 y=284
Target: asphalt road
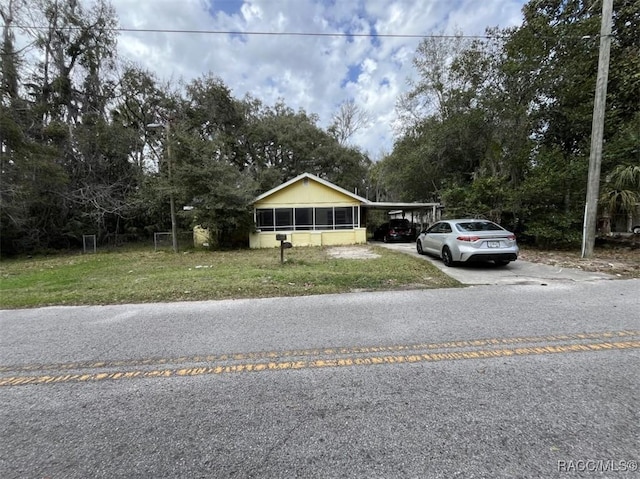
x=525 y=381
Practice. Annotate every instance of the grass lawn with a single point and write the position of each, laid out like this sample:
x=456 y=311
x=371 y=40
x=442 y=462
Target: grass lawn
x=139 y=275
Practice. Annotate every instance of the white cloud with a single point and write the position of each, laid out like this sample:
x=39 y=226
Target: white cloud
x=310 y=72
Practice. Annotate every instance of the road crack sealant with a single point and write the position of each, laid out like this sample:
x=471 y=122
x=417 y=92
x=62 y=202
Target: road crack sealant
x=316 y=358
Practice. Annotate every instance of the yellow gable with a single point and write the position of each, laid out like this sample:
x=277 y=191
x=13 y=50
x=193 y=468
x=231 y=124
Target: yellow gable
x=306 y=192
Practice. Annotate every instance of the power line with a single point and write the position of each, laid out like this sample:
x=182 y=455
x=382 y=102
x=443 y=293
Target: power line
x=264 y=33
x=307 y=34
x=298 y=34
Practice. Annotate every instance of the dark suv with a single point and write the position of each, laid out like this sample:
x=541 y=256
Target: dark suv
x=395 y=230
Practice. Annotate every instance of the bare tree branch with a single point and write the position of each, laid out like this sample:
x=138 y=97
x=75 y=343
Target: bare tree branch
x=349 y=119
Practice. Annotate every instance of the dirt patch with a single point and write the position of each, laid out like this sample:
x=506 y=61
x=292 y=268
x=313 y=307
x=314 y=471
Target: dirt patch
x=352 y=252
x=621 y=262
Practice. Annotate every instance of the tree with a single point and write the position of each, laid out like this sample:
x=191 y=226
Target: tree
x=347 y=121
x=8 y=54
x=555 y=53
x=208 y=167
x=65 y=165
x=500 y=127
x=280 y=144
x=430 y=92
x=78 y=155
x=621 y=194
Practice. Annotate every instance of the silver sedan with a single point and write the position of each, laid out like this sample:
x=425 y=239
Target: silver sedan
x=468 y=240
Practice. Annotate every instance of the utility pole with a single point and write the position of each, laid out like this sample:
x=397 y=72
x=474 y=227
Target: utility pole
x=172 y=201
x=597 y=133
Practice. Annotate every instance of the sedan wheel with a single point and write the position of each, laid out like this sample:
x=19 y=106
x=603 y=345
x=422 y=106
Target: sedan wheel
x=447 y=259
x=419 y=247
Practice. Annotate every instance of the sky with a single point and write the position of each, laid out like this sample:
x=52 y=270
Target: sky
x=315 y=73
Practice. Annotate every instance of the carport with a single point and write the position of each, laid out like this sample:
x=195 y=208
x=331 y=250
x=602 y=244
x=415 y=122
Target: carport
x=422 y=214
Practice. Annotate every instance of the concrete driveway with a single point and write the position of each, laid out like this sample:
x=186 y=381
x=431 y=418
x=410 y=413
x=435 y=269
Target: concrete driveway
x=517 y=272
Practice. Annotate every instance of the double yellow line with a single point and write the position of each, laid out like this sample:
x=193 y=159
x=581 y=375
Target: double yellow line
x=322 y=358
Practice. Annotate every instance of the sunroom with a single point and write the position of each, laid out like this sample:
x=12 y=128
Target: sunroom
x=311 y=212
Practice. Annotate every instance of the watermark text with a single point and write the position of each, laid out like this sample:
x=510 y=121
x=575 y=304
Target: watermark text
x=597 y=465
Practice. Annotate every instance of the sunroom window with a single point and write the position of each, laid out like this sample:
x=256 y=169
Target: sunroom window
x=284 y=219
x=301 y=219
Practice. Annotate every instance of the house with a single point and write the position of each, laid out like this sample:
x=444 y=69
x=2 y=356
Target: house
x=311 y=212
x=315 y=212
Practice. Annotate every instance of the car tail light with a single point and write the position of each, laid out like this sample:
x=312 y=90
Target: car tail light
x=511 y=237
x=392 y=231
x=468 y=238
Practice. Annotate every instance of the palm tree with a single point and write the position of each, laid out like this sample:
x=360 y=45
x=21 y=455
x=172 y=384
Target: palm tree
x=621 y=194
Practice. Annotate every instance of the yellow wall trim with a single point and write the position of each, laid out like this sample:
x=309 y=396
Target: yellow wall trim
x=310 y=238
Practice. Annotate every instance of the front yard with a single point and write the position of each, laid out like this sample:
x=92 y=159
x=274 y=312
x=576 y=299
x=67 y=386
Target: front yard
x=139 y=275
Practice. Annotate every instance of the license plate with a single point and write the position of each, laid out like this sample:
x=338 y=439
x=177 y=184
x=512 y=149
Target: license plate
x=493 y=244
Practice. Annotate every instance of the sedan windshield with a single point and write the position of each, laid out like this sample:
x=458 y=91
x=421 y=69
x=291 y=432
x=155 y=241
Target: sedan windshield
x=478 y=226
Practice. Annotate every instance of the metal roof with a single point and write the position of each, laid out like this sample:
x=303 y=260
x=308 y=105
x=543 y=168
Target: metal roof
x=388 y=205
x=379 y=205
